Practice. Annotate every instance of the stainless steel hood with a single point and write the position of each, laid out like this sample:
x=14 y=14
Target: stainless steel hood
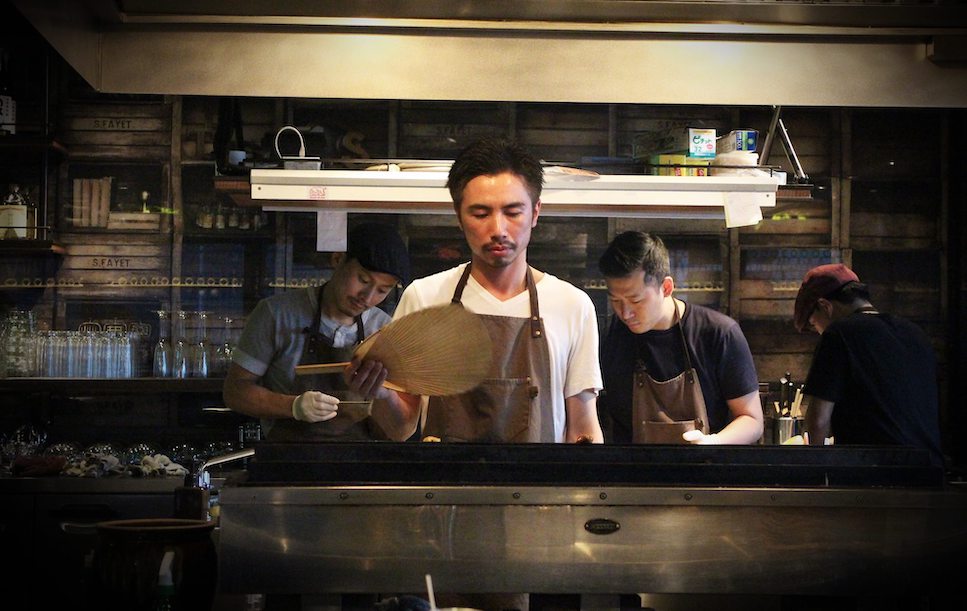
x=604 y=51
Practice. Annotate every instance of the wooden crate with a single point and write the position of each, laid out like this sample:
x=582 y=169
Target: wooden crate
x=117 y=131
x=116 y=263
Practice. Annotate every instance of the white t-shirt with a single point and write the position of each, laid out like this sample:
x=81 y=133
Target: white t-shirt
x=569 y=323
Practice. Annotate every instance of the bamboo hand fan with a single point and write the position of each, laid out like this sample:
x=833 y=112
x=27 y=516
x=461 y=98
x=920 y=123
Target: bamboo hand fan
x=442 y=350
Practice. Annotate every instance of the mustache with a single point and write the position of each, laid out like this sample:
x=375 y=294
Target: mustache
x=501 y=244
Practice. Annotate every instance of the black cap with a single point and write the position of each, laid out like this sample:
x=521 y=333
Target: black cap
x=379 y=248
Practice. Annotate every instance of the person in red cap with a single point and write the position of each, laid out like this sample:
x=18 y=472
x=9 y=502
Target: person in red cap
x=873 y=379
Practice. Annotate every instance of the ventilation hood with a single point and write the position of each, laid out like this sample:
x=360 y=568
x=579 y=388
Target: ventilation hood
x=902 y=54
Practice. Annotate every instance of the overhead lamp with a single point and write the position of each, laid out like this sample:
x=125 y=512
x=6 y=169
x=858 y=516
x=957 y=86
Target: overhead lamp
x=736 y=198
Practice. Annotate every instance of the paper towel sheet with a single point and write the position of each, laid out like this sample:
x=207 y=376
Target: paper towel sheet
x=741 y=209
x=331 y=230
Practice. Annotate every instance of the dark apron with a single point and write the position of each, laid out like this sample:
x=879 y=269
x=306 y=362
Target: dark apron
x=662 y=411
x=319 y=349
x=514 y=403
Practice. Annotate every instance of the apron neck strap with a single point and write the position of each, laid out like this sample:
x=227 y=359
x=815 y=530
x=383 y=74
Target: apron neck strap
x=461 y=284
x=676 y=321
x=681 y=332
x=535 y=310
x=535 y=317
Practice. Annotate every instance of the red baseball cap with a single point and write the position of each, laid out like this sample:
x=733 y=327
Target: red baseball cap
x=820 y=281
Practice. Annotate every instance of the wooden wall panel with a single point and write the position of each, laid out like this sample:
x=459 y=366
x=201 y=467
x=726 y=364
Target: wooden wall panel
x=360 y=128
x=564 y=133
x=433 y=130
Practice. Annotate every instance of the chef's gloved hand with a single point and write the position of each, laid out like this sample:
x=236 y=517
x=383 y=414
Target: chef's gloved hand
x=699 y=438
x=314 y=406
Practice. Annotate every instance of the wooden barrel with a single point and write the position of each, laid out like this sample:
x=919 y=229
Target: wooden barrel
x=128 y=556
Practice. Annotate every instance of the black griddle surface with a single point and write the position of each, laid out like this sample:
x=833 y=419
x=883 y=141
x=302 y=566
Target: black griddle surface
x=412 y=463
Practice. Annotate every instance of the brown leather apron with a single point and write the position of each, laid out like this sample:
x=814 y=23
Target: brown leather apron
x=514 y=403
x=319 y=349
x=662 y=411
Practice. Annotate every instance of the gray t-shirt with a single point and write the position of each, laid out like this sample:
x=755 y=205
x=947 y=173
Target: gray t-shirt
x=272 y=341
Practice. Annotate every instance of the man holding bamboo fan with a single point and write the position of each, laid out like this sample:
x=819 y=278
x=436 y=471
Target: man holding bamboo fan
x=543 y=373
x=323 y=325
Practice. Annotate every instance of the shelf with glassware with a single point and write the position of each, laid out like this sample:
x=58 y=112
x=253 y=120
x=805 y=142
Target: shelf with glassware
x=110 y=344
x=213 y=212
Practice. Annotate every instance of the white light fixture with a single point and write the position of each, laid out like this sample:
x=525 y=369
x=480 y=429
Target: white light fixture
x=606 y=195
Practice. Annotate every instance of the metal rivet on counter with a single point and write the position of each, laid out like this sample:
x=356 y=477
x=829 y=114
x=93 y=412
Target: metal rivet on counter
x=343 y=496
x=429 y=495
x=688 y=496
x=516 y=495
x=603 y=496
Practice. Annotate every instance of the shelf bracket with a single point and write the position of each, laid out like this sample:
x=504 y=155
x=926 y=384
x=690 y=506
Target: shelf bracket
x=777 y=126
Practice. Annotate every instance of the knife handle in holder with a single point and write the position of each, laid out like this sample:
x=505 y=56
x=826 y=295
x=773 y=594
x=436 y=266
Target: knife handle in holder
x=322 y=368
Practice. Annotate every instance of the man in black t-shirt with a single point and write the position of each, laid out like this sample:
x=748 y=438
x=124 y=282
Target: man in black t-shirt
x=674 y=372
x=873 y=379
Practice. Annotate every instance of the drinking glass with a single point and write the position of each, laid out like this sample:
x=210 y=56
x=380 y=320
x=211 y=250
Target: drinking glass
x=85 y=366
x=105 y=365
x=223 y=351
x=162 y=367
x=123 y=355
x=17 y=328
x=200 y=357
x=181 y=349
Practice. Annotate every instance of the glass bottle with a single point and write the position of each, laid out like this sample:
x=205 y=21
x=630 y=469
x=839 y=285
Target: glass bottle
x=162 y=367
x=16 y=214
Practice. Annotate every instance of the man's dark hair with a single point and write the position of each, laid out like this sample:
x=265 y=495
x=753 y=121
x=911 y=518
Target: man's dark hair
x=491 y=156
x=632 y=251
x=851 y=292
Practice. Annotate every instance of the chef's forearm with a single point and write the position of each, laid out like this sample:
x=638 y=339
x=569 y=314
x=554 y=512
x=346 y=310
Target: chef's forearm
x=743 y=430
x=242 y=394
x=397 y=414
x=746 y=425
x=818 y=416
x=582 y=419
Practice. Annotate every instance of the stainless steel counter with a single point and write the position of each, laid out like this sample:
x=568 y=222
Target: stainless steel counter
x=586 y=537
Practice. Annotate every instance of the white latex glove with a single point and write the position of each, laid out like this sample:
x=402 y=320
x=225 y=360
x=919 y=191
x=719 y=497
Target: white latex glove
x=697 y=437
x=314 y=406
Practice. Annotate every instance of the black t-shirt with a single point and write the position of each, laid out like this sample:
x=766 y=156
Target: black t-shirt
x=718 y=350
x=880 y=372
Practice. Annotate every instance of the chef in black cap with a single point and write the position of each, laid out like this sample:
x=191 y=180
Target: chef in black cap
x=323 y=325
